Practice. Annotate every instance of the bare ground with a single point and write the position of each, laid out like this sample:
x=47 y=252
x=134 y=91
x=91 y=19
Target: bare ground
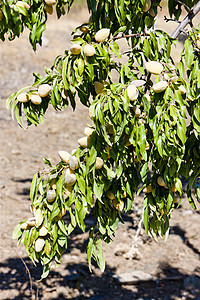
x=174 y=265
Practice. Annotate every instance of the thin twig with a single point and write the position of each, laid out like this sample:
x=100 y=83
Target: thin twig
x=188 y=8
x=29 y=274
x=129 y=35
x=131 y=251
x=171 y=20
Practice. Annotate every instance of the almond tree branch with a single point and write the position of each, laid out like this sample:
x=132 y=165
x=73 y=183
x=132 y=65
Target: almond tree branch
x=188 y=19
x=187 y=7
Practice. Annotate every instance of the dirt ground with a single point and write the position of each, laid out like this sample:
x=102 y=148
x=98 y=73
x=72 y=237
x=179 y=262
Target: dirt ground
x=172 y=269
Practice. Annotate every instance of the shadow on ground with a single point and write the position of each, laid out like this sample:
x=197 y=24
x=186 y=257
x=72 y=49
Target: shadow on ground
x=89 y=286
x=75 y=281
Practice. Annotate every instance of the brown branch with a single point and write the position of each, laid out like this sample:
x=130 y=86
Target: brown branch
x=188 y=8
x=129 y=35
x=171 y=20
x=188 y=19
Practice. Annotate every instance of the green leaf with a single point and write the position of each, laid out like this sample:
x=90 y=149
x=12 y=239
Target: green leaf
x=146 y=219
x=98 y=189
x=101 y=259
x=189 y=55
x=46 y=270
x=81 y=184
x=17 y=232
x=181 y=132
x=62 y=226
x=33 y=188
x=181 y=69
x=90 y=248
x=64 y=70
x=115 y=49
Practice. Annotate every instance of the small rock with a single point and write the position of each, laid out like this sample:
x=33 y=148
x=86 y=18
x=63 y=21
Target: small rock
x=187 y=212
x=2 y=184
x=192 y=282
x=62 y=291
x=69 y=258
x=16 y=152
x=133 y=277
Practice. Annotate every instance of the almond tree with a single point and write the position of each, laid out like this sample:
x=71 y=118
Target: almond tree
x=139 y=121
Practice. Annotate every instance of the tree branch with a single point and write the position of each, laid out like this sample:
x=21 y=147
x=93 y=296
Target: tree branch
x=187 y=7
x=194 y=11
x=129 y=35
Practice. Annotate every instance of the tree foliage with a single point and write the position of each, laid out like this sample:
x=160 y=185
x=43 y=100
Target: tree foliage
x=146 y=120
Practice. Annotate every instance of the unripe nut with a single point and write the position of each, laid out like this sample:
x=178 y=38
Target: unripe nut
x=64 y=156
x=88 y=131
x=84 y=29
x=51 y=195
x=70 y=179
x=152 y=12
x=137 y=112
x=50 y=2
x=23 y=97
x=160 y=86
x=43 y=231
x=49 y=9
x=24 y=226
x=35 y=98
x=98 y=86
x=160 y=181
x=146 y=6
x=22 y=4
x=118 y=205
x=31 y=221
x=132 y=92
x=99 y=163
x=110 y=195
x=39 y=244
x=89 y=50
x=44 y=90
x=182 y=89
x=154 y=67
x=69 y=172
x=73 y=163
x=84 y=142
x=102 y=35
x=147 y=189
x=75 y=49
x=138 y=83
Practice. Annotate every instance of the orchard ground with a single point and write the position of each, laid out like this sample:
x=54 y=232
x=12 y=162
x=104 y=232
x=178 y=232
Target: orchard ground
x=171 y=269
